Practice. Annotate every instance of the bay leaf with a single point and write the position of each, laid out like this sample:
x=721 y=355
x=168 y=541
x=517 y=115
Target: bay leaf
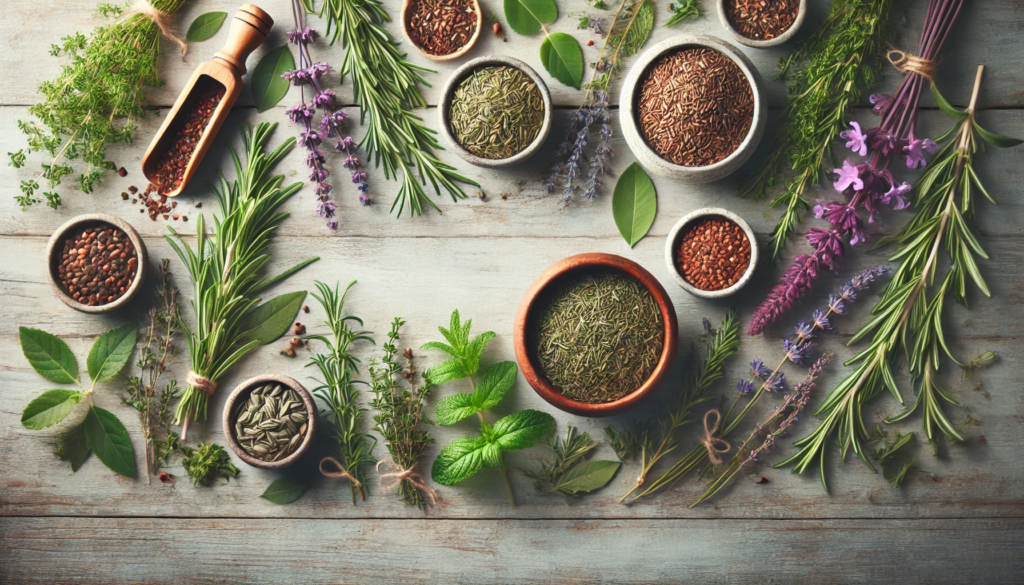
x=107 y=436
x=270 y=320
x=285 y=490
x=634 y=204
x=586 y=477
x=527 y=16
x=48 y=355
x=49 y=408
x=205 y=26
x=268 y=87
x=563 y=58
x=111 y=352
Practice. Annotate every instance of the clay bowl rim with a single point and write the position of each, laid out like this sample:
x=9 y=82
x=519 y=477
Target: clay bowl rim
x=53 y=249
x=677 y=231
x=248 y=386
x=584 y=262
x=801 y=12
x=451 y=56
x=446 y=101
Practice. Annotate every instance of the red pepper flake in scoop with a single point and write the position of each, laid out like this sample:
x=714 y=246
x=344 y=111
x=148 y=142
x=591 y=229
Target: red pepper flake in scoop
x=183 y=136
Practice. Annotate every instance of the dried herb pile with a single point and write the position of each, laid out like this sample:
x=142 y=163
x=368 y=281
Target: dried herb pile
x=496 y=112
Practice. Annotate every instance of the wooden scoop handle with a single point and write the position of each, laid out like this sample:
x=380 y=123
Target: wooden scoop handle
x=249 y=28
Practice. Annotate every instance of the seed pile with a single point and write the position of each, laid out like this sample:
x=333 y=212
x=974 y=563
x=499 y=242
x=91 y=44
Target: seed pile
x=97 y=265
x=272 y=423
x=441 y=27
x=599 y=336
x=182 y=137
x=695 y=107
x=713 y=254
x=761 y=20
x=496 y=112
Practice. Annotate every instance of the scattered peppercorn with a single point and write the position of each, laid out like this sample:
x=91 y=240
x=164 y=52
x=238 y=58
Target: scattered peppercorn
x=182 y=137
x=122 y=172
x=300 y=329
x=590 y=43
x=98 y=265
x=713 y=253
x=124 y=196
x=305 y=308
x=133 y=189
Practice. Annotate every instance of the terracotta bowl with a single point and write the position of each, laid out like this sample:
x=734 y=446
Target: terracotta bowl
x=407 y=4
x=801 y=12
x=56 y=245
x=527 y=308
x=241 y=392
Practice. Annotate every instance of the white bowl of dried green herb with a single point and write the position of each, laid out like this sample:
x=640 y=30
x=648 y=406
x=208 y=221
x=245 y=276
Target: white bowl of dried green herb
x=693 y=109
x=270 y=421
x=495 y=111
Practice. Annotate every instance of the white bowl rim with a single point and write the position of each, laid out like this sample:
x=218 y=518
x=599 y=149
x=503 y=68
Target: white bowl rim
x=670 y=246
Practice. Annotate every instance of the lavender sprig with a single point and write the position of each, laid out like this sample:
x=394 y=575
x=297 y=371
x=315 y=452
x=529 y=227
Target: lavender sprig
x=308 y=74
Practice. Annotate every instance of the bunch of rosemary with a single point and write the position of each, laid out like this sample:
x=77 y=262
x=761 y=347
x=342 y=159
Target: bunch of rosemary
x=96 y=100
x=907 y=321
x=386 y=88
x=838 y=64
x=225 y=269
x=338 y=390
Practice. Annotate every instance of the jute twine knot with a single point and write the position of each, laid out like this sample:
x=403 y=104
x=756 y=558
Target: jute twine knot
x=339 y=471
x=391 y=479
x=160 y=18
x=907 y=63
x=200 y=383
x=713 y=444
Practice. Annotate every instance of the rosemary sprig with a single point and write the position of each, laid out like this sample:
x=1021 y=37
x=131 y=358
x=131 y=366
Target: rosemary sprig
x=838 y=66
x=337 y=389
x=906 y=320
x=386 y=87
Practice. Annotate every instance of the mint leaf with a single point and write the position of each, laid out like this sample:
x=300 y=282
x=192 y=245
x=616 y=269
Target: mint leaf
x=458 y=461
x=446 y=372
x=109 y=439
x=285 y=490
x=452 y=409
x=49 y=355
x=269 y=321
x=49 y=408
x=466 y=353
x=523 y=429
x=205 y=26
x=495 y=383
x=111 y=352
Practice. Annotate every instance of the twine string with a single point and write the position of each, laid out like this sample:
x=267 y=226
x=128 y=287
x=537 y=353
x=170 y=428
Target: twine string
x=390 y=479
x=906 y=63
x=713 y=444
x=201 y=383
x=160 y=18
x=339 y=471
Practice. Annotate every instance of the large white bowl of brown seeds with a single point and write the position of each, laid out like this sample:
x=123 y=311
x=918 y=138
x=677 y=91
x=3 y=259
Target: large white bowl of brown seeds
x=270 y=421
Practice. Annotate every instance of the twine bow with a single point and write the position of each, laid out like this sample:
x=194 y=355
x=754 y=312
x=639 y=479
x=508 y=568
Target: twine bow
x=200 y=383
x=339 y=473
x=391 y=479
x=160 y=18
x=905 y=62
x=713 y=444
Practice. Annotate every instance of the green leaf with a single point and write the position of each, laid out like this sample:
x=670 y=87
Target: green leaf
x=459 y=460
x=997 y=139
x=495 y=384
x=945 y=105
x=523 y=429
x=452 y=409
x=634 y=204
x=586 y=477
x=109 y=439
x=111 y=352
x=526 y=16
x=49 y=408
x=73 y=447
x=285 y=490
x=563 y=58
x=268 y=87
x=49 y=355
x=446 y=372
x=205 y=26
x=269 y=321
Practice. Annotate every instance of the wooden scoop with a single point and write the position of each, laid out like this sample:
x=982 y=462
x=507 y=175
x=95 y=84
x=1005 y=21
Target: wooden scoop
x=249 y=28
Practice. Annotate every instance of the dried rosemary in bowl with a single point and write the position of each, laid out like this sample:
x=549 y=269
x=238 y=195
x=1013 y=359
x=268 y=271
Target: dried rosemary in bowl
x=598 y=336
x=271 y=424
x=496 y=112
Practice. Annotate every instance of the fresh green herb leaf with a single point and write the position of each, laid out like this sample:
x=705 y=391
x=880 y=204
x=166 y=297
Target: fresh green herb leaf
x=682 y=10
x=111 y=352
x=272 y=319
x=527 y=17
x=285 y=490
x=109 y=439
x=997 y=139
x=73 y=447
x=207 y=462
x=563 y=58
x=945 y=106
x=494 y=384
x=465 y=351
x=268 y=87
x=586 y=477
x=523 y=429
x=451 y=409
x=459 y=460
x=634 y=204
x=205 y=26
x=49 y=355
x=49 y=408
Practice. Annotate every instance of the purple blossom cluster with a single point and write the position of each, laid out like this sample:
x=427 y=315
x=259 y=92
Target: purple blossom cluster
x=573 y=150
x=308 y=74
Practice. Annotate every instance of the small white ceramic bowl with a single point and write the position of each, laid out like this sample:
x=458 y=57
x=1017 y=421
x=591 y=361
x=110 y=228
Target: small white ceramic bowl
x=801 y=12
x=446 y=103
x=650 y=159
x=407 y=5
x=679 y=230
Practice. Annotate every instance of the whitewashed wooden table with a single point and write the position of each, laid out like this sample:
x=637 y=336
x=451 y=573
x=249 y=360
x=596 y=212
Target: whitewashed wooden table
x=963 y=525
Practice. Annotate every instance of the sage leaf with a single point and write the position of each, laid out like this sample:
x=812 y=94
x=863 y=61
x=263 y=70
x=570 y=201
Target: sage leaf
x=73 y=447
x=452 y=409
x=270 y=320
x=563 y=58
x=109 y=439
x=997 y=139
x=111 y=352
x=49 y=408
x=523 y=429
x=205 y=26
x=49 y=355
x=586 y=477
x=495 y=384
x=285 y=490
x=945 y=106
x=526 y=17
x=459 y=460
x=634 y=204
x=268 y=87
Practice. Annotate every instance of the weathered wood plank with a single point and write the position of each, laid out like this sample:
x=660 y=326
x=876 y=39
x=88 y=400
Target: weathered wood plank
x=114 y=551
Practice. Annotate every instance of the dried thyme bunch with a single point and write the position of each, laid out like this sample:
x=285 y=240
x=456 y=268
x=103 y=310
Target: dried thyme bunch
x=400 y=418
x=206 y=463
x=96 y=100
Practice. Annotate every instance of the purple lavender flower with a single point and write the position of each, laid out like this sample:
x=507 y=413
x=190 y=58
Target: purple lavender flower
x=836 y=304
x=707 y=326
x=848 y=176
x=796 y=352
x=804 y=330
x=745 y=386
x=821 y=321
x=855 y=139
x=916 y=150
x=879 y=102
x=572 y=151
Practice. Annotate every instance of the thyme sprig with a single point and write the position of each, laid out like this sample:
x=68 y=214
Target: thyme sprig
x=906 y=319
x=387 y=89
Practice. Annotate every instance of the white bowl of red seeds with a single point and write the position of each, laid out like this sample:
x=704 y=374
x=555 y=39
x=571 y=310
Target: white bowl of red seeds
x=711 y=253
